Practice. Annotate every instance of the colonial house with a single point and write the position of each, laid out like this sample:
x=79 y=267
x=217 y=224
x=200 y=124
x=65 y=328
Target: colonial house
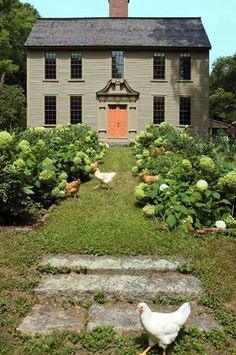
x=119 y=73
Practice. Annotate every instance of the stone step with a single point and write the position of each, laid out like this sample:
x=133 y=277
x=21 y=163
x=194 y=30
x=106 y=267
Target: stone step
x=120 y=287
x=98 y=264
x=46 y=318
x=124 y=318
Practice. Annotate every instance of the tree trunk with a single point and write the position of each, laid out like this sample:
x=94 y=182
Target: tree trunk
x=3 y=78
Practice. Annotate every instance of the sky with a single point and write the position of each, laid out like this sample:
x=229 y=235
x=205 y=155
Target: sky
x=218 y=16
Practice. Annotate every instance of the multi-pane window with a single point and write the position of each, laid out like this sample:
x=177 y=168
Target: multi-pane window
x=158 y=109
x=50 y=65
x=117 y=64
x=75 y=109
x=159 y=65
x=76 y=65
x=185 y=110
x=50 y=110
x=185 y=66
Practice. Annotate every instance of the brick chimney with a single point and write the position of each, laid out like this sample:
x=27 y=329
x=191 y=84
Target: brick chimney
x=118 y=8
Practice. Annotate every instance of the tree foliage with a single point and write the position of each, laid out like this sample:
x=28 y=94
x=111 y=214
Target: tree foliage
x=12 y=107
x=223 y=105
x=223 y=74
x=223 y=89
x=16 y=21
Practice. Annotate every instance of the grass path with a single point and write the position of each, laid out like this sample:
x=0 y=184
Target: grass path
x=104 y=222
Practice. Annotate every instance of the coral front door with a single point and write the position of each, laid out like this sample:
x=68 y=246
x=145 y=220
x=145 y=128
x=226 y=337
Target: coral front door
x=117 y=121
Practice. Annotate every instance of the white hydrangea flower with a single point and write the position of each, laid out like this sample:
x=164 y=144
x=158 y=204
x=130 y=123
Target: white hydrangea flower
x=62 y=194
x=39 y=129
x=220 y=224
x=202 y=185
x=163 y=187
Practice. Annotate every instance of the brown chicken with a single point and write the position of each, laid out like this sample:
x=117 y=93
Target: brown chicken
x=72 y=188
x=149 y=179
x=95 y=166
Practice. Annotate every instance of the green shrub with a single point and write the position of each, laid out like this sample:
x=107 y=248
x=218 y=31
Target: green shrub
x=200 y=186
x=207 y=164
x=12 y=107
x=36 y=164
x=5 y=140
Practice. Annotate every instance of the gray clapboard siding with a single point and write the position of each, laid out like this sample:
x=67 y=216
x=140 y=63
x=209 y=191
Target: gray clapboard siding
x=139 y=75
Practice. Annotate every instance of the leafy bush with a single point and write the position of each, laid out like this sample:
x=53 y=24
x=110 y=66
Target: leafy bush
x=198 y=183
x=36 y=164
x=12 y=107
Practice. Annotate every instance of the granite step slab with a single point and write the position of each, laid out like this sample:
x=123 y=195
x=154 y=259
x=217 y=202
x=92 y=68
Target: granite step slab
x=98 y=264
x=124 y=319
x=120 y=287
x=46 y=318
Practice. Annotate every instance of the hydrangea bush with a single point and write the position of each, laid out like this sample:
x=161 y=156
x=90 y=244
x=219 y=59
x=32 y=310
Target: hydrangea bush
x=198 y=177
x=36 y=164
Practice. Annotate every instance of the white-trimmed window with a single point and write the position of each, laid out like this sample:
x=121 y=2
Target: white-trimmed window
x=159 y=62
x=158 y=109
x=76 y=65
x=75 y=109
x=50 y=65
x=50 y=110
x=185 y=66
x=185 y=110
x=117 y=64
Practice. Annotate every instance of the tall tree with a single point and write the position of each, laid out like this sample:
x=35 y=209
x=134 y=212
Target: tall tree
x=16 y=21
x=223 y=74
x=223 y=89
x=12 y=107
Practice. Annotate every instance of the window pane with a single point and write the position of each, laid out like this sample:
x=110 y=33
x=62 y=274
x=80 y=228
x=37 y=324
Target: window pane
x=185 y=110
x=50 y=65
x=185 y=66
x=50 y=111
x=159 y=66
x=158 y=109
x=76 y=65
x=117 y=64
x=75 y=109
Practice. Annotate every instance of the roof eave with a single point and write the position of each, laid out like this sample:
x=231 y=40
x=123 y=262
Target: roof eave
x=110 y=47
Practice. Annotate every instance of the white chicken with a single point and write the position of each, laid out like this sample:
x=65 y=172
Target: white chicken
x=104 y=178
x=162 y=328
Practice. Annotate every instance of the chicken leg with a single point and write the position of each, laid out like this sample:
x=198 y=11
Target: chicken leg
x=145 y=351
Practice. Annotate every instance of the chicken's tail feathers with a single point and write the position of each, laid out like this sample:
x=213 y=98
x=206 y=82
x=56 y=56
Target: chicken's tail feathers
x=184 y=312
x=113 y=174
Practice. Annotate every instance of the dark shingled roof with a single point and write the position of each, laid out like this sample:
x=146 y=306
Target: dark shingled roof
x=119 y=32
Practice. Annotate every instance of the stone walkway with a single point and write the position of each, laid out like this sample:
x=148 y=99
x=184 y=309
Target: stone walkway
x=120 y=282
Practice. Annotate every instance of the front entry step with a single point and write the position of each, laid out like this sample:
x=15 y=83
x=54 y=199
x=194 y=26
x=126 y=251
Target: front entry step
x=124 y=265
x=47 y=318
x=107 y=291
x=121 y=287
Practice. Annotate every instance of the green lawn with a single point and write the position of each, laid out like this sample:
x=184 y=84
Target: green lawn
x=108 y=222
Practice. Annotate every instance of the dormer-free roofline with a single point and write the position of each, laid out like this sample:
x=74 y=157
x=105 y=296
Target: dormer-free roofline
x=135 y=32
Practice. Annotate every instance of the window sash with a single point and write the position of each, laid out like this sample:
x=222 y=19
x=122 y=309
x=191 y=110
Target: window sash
x=75 y=109
x=50 y=110
x=117 y=64
x=185 y=66
x=158 y=109
x=50 y=65
x=76 y=65
x=185 y=110
x=159 y=66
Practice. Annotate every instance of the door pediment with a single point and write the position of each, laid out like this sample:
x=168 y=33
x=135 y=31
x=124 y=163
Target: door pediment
x=117 y=88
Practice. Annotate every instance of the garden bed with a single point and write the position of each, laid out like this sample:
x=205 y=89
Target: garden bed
x=187 y=182
x=36 y=164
